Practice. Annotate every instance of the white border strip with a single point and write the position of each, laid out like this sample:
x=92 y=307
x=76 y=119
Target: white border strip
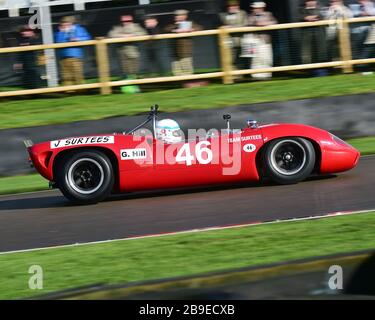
x=225 y=227
x=27 y=193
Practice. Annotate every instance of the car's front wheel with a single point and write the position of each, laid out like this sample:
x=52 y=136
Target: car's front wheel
x=85 y=177
x=289 y=160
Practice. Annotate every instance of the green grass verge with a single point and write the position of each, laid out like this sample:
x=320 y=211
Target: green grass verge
x=19 y=184
x=365 y=145
x=30 y=183
x=187 y=254
x=26 y=113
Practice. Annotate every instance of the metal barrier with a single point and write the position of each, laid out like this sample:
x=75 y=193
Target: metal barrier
x=227 y=70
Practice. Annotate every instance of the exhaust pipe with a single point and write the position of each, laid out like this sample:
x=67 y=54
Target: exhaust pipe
x=28 y=144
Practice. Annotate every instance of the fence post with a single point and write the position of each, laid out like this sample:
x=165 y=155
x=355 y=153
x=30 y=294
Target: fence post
x=226 y=55
x=345 y=45
x=103 y=66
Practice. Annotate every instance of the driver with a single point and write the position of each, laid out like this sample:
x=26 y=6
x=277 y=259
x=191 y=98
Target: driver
x=168 y=131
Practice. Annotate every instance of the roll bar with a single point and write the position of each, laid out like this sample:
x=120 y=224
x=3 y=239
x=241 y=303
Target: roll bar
x=153 y=116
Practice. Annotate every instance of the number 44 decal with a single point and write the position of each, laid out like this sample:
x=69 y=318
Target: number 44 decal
x=201 y=153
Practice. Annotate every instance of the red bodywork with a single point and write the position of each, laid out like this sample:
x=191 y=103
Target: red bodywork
x=333 y=156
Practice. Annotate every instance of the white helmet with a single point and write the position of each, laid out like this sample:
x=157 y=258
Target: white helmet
x=168 y=131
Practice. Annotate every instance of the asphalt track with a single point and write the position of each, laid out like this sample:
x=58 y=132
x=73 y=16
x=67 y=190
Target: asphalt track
x=46 y=219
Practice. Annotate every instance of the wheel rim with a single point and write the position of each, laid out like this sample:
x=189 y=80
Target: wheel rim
x=85 y=176
x=288 y=157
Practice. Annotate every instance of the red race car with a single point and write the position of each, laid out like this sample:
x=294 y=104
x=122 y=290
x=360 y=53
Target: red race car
x=88 y=169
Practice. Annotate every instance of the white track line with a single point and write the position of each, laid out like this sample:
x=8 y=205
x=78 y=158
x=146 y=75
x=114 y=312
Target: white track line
x=26 y=193
x=226 y=227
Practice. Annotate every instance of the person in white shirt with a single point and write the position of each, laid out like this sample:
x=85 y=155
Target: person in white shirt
x=336 y=11
x=369 y=43
x=361 y=31
x=367 y=8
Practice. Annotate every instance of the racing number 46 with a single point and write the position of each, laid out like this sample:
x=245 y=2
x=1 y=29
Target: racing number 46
x=201 y=149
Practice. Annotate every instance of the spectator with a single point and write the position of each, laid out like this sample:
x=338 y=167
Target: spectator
x=71 y=59
x=263 y=58
x=369 y=45
x=28 y=61
x=130 y=55
x=313 y=38
x=259 y=17
x=336 y=11
x=235 y=17
x=183 y=53
x=154 y=49
x=367 y=8
x=360 y=31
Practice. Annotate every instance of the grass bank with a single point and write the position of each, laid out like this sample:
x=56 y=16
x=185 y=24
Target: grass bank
x=183 y=255
x=47 y=111
x=20 y=184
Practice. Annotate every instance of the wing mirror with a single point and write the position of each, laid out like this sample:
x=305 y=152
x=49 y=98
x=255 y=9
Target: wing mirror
x=227 y=118
x=154 y=109
x=252 y=124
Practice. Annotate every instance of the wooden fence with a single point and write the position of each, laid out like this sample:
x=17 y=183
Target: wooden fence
x=227 y=72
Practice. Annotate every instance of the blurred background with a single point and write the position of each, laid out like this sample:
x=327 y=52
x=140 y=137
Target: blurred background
x=311 y=42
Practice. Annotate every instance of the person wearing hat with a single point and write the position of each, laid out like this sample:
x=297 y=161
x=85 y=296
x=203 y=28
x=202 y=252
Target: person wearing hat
x=71 y=59
x=130 y=54
x=259 y=17
x=263 y=58
x=234 y=17
x=183 y=51
x=27 y=62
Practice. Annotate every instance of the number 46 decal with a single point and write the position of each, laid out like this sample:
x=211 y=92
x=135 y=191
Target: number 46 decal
x=201 y=149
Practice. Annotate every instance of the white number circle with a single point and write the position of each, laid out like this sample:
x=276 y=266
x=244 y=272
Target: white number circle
x=249 y=148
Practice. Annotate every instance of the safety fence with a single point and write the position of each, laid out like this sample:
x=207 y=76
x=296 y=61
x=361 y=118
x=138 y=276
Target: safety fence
x=224 y=53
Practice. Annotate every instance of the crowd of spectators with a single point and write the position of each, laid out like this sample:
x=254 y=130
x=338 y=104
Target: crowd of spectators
x=256 y=47
x=249 y=50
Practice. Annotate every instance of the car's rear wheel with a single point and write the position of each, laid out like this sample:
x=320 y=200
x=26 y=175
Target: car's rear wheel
x=85 y=177
x=289 y=160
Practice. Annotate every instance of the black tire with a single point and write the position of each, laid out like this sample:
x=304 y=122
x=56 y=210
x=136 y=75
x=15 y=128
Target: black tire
x=85 y=177
x=289 y=160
